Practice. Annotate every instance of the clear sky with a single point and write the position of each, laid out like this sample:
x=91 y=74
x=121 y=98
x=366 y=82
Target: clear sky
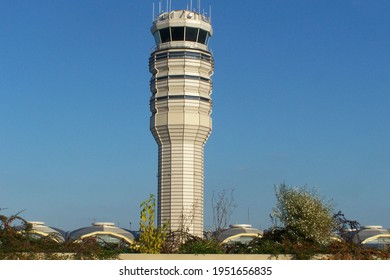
x=301 y=95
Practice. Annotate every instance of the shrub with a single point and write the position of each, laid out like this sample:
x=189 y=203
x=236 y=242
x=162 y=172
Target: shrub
x=151 y=239
x=303 y=215
x=22 y=245
x=197 y=245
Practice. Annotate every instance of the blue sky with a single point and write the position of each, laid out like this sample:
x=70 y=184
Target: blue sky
x=301 y=95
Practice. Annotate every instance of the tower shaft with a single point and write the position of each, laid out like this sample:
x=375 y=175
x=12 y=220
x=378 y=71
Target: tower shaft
x=181 y=67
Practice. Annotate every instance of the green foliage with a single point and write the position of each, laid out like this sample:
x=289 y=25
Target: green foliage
x=90 y=249
x=151 y=239
x=256 y=246
x=278 y=242
x=23 y=245
x=344 y=250
x=308 y=228
x=303 y=214
x=197 y=245
x=305 y=233
x=26 y=248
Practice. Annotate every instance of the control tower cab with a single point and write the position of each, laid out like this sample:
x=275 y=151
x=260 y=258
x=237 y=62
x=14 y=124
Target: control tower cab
x=182 y=26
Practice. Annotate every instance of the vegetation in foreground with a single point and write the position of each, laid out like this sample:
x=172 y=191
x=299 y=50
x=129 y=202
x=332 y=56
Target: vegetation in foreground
x=304 y=226
x=24 y=245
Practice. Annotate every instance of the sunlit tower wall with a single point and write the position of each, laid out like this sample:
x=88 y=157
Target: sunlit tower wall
x=181 y=65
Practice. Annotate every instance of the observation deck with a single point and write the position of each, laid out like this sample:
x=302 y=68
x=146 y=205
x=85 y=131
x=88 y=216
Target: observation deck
x=181 y=28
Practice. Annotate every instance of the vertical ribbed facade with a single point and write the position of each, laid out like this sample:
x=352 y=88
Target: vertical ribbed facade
x=181 y=66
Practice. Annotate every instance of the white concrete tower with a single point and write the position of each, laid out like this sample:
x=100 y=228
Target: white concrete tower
x=181 y=66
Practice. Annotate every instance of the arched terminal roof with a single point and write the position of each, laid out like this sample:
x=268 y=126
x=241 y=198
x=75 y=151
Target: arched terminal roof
x=107 y=232
x=373 y=236
x=40 y=229
x=243 y=233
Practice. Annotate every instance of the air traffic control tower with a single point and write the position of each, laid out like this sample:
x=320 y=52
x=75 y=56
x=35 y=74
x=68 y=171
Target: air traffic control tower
x=181 y=65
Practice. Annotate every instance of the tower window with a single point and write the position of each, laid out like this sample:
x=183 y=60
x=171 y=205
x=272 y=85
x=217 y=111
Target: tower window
x=165 y=35
x=191 y=34
x=157 y=38
x=160 y=56
x=177 y=54
x=202 y=36
x=181 y=54
x=189 y=77
x=207 y=38
x=177 y=33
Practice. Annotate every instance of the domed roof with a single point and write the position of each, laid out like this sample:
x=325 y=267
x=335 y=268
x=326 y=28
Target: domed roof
x=368 y=232
x=372 y=236
x=112 y=233
x=239 y=233
x=40 y=229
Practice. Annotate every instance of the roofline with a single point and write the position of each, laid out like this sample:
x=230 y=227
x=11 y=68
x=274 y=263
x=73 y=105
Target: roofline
x=259 y=235
x=104 y=233
x=375 y=237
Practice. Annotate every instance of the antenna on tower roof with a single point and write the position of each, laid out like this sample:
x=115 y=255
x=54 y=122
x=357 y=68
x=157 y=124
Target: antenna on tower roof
x=153 y=11
x=159 y=7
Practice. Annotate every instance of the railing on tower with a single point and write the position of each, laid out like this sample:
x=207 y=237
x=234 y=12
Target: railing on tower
x=206 y=16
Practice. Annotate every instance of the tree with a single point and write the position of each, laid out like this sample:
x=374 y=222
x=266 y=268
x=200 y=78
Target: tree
x=304 y=215
x=223 y=206
x=151 y=239
x=344 y=227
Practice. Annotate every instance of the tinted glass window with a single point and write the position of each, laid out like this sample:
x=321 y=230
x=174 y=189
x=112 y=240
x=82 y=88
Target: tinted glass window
x=177 y=33
x=202 y=36
x=176 y=54
x=165 y=35
x=161 y=55
x=157 y=38
x=191 y=34
x=193 y=55
x=205 y=57
x=207 y=38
